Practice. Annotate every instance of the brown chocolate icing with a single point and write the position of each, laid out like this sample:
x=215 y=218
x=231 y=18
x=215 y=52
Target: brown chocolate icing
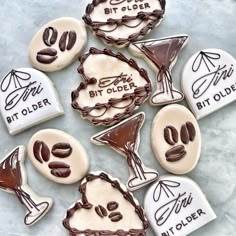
x=123 y=139
x=139 y=95
x=163 y=52
x=48 y=39
x=11 y=179
x=152 y=19
x=47 y=55
x=86 y=205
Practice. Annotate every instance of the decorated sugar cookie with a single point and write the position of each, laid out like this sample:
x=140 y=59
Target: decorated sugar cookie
x=119 y=22
x=176 y=206
x=116 y=212
x=27 y=98
x=124 y=139
x=57 y=44
x=208 y=81
x=112 y=88
x=161 y=55
x=13 y=179
x=58 y=156
x=176 y=139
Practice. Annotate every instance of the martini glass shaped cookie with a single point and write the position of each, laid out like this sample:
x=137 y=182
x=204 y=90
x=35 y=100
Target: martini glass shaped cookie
x=124 y=138
x=13 y=180
x=162 y=54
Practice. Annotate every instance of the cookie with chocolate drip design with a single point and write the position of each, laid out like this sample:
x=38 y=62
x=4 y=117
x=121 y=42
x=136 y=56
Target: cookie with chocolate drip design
x=115 y=213
x=124 y=139
x=13 y=179
x=161 y=55
x=119 y=22
x=113 y=87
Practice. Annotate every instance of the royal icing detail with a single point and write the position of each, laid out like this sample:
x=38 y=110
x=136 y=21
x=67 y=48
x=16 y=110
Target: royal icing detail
x=28 y=97
x=208 y=81
x=176 y=139
x=113 y=87
x=57 y=44
x=13 y=179
x=115 y=213
x=161 y=55
x=176 y=206
x=119 y=22
x=124 y=139
x=58 y=156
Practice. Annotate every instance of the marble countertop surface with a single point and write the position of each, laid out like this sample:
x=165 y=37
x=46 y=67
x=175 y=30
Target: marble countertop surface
x=209 y=24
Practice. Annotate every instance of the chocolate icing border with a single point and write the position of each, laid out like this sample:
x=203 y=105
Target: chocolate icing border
x=86 y=205
x=157 y=14
x=137 y=96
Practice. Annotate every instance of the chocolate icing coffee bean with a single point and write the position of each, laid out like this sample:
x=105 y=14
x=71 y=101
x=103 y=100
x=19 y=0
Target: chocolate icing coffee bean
x=61 y=150
x=115 y=216
x=41 y=151
x=111 y=206
x=50 y=36
x=101 y=211
x=68 y=161
x=176 y=139
x=47 y=55
x=57 y=44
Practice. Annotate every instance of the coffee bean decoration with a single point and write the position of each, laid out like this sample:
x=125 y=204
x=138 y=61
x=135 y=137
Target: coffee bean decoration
x=59 y=169
x=61 y=150
x=176 y=153
x=41 y=151
x=111 y=206
x=101 y=211
x=47 y=55
x=115 y=216
x=50 y=36
x=67 y=40
x=171 y=135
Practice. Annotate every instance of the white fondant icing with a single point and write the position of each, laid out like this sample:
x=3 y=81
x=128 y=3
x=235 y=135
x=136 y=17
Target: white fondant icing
x=176 y=206
x=28 y=97
x=208 y=81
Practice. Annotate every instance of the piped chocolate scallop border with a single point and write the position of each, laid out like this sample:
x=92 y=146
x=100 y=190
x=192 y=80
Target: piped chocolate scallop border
x=139 y=95
x=155 y=17
x=84 y=204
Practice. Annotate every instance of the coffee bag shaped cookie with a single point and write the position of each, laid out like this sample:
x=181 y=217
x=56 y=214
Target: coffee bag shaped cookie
x=124 y=138
x=13 y=179
x=119 y=22
x=115 y=213
x=176 y=205
x=176 y=139
x=208 y=81
x=27 y=98
x=58 y=156
x=161 y=55
x=57 y=44
x=112 y=88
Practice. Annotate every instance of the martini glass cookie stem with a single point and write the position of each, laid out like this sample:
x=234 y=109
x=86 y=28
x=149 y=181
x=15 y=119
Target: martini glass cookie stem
x=161 y=55
x=13 y=180
x=124 y=138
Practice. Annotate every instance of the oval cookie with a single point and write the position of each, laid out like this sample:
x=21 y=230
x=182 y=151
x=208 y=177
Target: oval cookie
x=58 y=156
x=119 y=22
x=113 y=87
x=208 y=81
x=176 y=139
x=57 y=44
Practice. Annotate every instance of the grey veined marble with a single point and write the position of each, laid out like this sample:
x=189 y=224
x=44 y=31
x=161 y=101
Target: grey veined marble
x=208 y=24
